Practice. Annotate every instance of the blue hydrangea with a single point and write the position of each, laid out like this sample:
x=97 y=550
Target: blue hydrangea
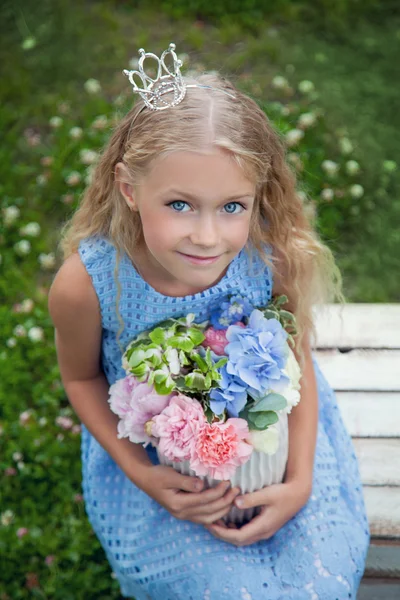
x=231 y=395
x=258 y=354
x=230 y=311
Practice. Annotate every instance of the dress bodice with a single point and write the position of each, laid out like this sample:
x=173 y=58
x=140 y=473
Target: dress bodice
x=141 y=307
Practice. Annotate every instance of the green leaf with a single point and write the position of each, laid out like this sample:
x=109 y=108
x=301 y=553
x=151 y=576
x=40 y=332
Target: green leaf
x=196 y=336
x=165 y=387
x=280 y=300
x=199 y=360
x=157 y=336
x=265 y=419
x=270 y=314
x=220 y=363
x=180 y=342
x=140 y=371
x=195 y=381
x=271 y=402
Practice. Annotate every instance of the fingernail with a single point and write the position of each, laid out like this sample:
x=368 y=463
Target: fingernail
x=198 y=486
x=239 y=502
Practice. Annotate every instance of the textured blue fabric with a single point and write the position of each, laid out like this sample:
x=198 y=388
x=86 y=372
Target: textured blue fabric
x=319 y=554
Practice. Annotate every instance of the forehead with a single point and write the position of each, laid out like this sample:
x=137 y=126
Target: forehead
x=214 y=172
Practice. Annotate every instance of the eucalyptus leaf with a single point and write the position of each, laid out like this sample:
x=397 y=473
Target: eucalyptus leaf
x=265 y=419
x=271 y=402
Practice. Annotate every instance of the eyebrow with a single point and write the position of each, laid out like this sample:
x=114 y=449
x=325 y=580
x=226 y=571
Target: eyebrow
x=192 y=197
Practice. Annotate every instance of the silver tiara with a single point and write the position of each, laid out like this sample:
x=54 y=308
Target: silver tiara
x=165 y=83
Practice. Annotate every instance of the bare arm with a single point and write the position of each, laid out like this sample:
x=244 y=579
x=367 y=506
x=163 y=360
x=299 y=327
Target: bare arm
x=76 y=316
x=303 y=420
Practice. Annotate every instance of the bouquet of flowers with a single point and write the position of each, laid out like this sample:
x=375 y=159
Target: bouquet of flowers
x=208 y=395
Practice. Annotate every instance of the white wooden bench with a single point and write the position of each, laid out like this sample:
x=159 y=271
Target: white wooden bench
x=358 y=349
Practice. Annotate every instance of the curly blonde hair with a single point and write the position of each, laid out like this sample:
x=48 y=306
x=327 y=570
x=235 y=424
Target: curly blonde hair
x=300 y=261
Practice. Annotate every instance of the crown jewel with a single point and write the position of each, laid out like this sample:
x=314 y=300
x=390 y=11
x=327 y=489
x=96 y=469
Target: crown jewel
x=166 y=83
x=168 y=87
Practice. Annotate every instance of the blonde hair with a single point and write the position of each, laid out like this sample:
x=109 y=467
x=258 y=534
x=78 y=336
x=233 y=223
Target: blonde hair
x=303 y=264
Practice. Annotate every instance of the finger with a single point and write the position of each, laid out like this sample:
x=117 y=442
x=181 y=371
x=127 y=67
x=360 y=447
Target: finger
x=205 y=497
x=247 y=534
x=259 y=498
x=224 y=503
x=184 y=482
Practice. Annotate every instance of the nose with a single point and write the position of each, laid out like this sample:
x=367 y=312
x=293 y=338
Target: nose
x=205 y=232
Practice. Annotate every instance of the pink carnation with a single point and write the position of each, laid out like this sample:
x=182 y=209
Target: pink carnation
x=135 y=403
x=220 y=448
x=178 y=426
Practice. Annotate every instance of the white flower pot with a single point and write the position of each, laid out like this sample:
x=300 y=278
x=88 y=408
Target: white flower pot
x=259 y=471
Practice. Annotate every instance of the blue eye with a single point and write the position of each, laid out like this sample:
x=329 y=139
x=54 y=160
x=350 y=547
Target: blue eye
x=231 y=207
x=178 y=205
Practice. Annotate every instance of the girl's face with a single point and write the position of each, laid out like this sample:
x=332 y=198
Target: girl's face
x=195 y=211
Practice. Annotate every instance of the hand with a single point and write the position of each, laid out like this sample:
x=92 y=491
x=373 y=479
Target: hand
x=280 y=502
x=183 y=497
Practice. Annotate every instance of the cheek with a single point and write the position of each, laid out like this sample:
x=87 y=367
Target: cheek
x=160 y=230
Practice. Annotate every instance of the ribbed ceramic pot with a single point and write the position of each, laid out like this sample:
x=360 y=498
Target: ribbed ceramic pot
x=259 y=471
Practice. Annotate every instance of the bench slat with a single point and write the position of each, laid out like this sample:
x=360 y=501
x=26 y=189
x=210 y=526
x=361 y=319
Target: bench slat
x=371 y=414
x=383 y=510
x=379 y=461
x=358 y=326
x=375 y=370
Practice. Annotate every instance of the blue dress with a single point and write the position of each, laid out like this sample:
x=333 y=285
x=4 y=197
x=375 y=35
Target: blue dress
x=319 y=554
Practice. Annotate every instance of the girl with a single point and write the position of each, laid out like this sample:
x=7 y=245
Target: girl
x=191 y=201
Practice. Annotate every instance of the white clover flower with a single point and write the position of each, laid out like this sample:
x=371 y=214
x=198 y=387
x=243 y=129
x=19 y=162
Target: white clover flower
x=92 y=86
x=7 y=517
x=89 y=175
x=41 y=179
x=306 y=86
x=88 y=157
x=279 y=82
x=60 y=437
x=27 y=305
x=31 y=229
x=56 y=122
x=306 y=120
x=25 y=416
x=302 y=195
x=64 y=422
x=76 y=133
x=389 y=166
x=100 y=122
x=294 y=136
x=47 y=261
x=133 y=63
x=73 y=178
x=10 y=215
x=36 y=334
x=352 y=167
x=21 y=465
x=345 y=145
x=295 y=160
x=330 y=167
x=266 y=441
x=1 y=259
x=327 y=194
x=22 y=248
x=357 y=191
x=46 y=161
x=17 y=456
x=285 y=111
x=19 y=331
x=11 y=342
x=42 y=421
x=67 y=198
